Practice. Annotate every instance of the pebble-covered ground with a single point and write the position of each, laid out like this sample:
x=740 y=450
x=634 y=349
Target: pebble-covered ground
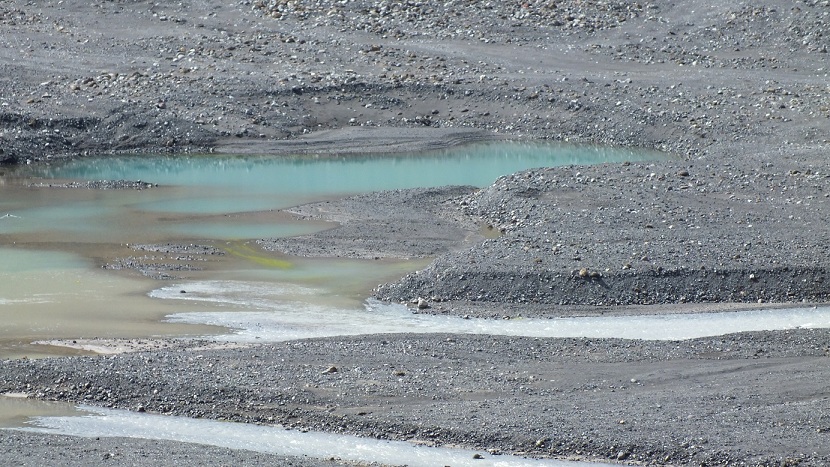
x=34 y=449
x=640 y=234
x=691 y=77
x=737 y=93
x=400 y=224
x=710 y=401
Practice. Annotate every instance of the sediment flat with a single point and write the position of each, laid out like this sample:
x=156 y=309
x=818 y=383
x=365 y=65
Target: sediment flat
x=735 y=94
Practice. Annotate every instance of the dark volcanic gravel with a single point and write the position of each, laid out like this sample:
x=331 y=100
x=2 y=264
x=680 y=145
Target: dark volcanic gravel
x=636 y=234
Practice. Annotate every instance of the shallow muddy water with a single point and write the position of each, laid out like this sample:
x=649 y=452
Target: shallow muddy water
x=18 y=411
x=58 y=295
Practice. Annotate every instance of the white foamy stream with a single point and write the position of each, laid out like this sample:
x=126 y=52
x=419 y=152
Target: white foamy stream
x=274 y=440
x=268 y=312
x=264 y=312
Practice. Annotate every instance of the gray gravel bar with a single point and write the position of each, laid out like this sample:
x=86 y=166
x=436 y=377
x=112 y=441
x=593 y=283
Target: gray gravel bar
x=712 y=401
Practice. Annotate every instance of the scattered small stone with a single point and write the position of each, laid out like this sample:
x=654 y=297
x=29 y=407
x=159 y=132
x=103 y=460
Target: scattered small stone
x=330 y=370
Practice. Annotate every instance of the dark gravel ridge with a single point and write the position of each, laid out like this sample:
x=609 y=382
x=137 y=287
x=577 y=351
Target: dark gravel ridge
x=639 y=234
x=654 y=402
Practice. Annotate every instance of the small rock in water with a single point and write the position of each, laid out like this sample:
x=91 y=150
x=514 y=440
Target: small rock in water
x=478 y=456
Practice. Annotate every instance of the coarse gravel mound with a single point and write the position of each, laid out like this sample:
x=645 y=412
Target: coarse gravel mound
x=640 y=234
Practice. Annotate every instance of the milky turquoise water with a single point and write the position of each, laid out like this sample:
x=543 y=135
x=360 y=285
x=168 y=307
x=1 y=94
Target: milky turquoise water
x=195 y=194
x=54 y=241
x=246 y=183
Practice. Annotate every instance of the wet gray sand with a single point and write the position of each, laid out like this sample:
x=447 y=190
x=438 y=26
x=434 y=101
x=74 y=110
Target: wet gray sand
x=736 y=92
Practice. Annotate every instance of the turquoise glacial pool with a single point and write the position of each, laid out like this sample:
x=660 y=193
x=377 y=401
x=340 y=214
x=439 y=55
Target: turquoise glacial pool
x=54 y=241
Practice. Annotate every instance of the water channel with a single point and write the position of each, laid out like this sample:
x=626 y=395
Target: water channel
x=94 y=422
x=54 y=241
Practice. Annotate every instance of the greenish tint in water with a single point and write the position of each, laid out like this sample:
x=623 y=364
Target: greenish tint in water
x=57 y=289
x=52 y=294
x=195 y=191
x=241 y=250
x=235 y=184
x=97 y=216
